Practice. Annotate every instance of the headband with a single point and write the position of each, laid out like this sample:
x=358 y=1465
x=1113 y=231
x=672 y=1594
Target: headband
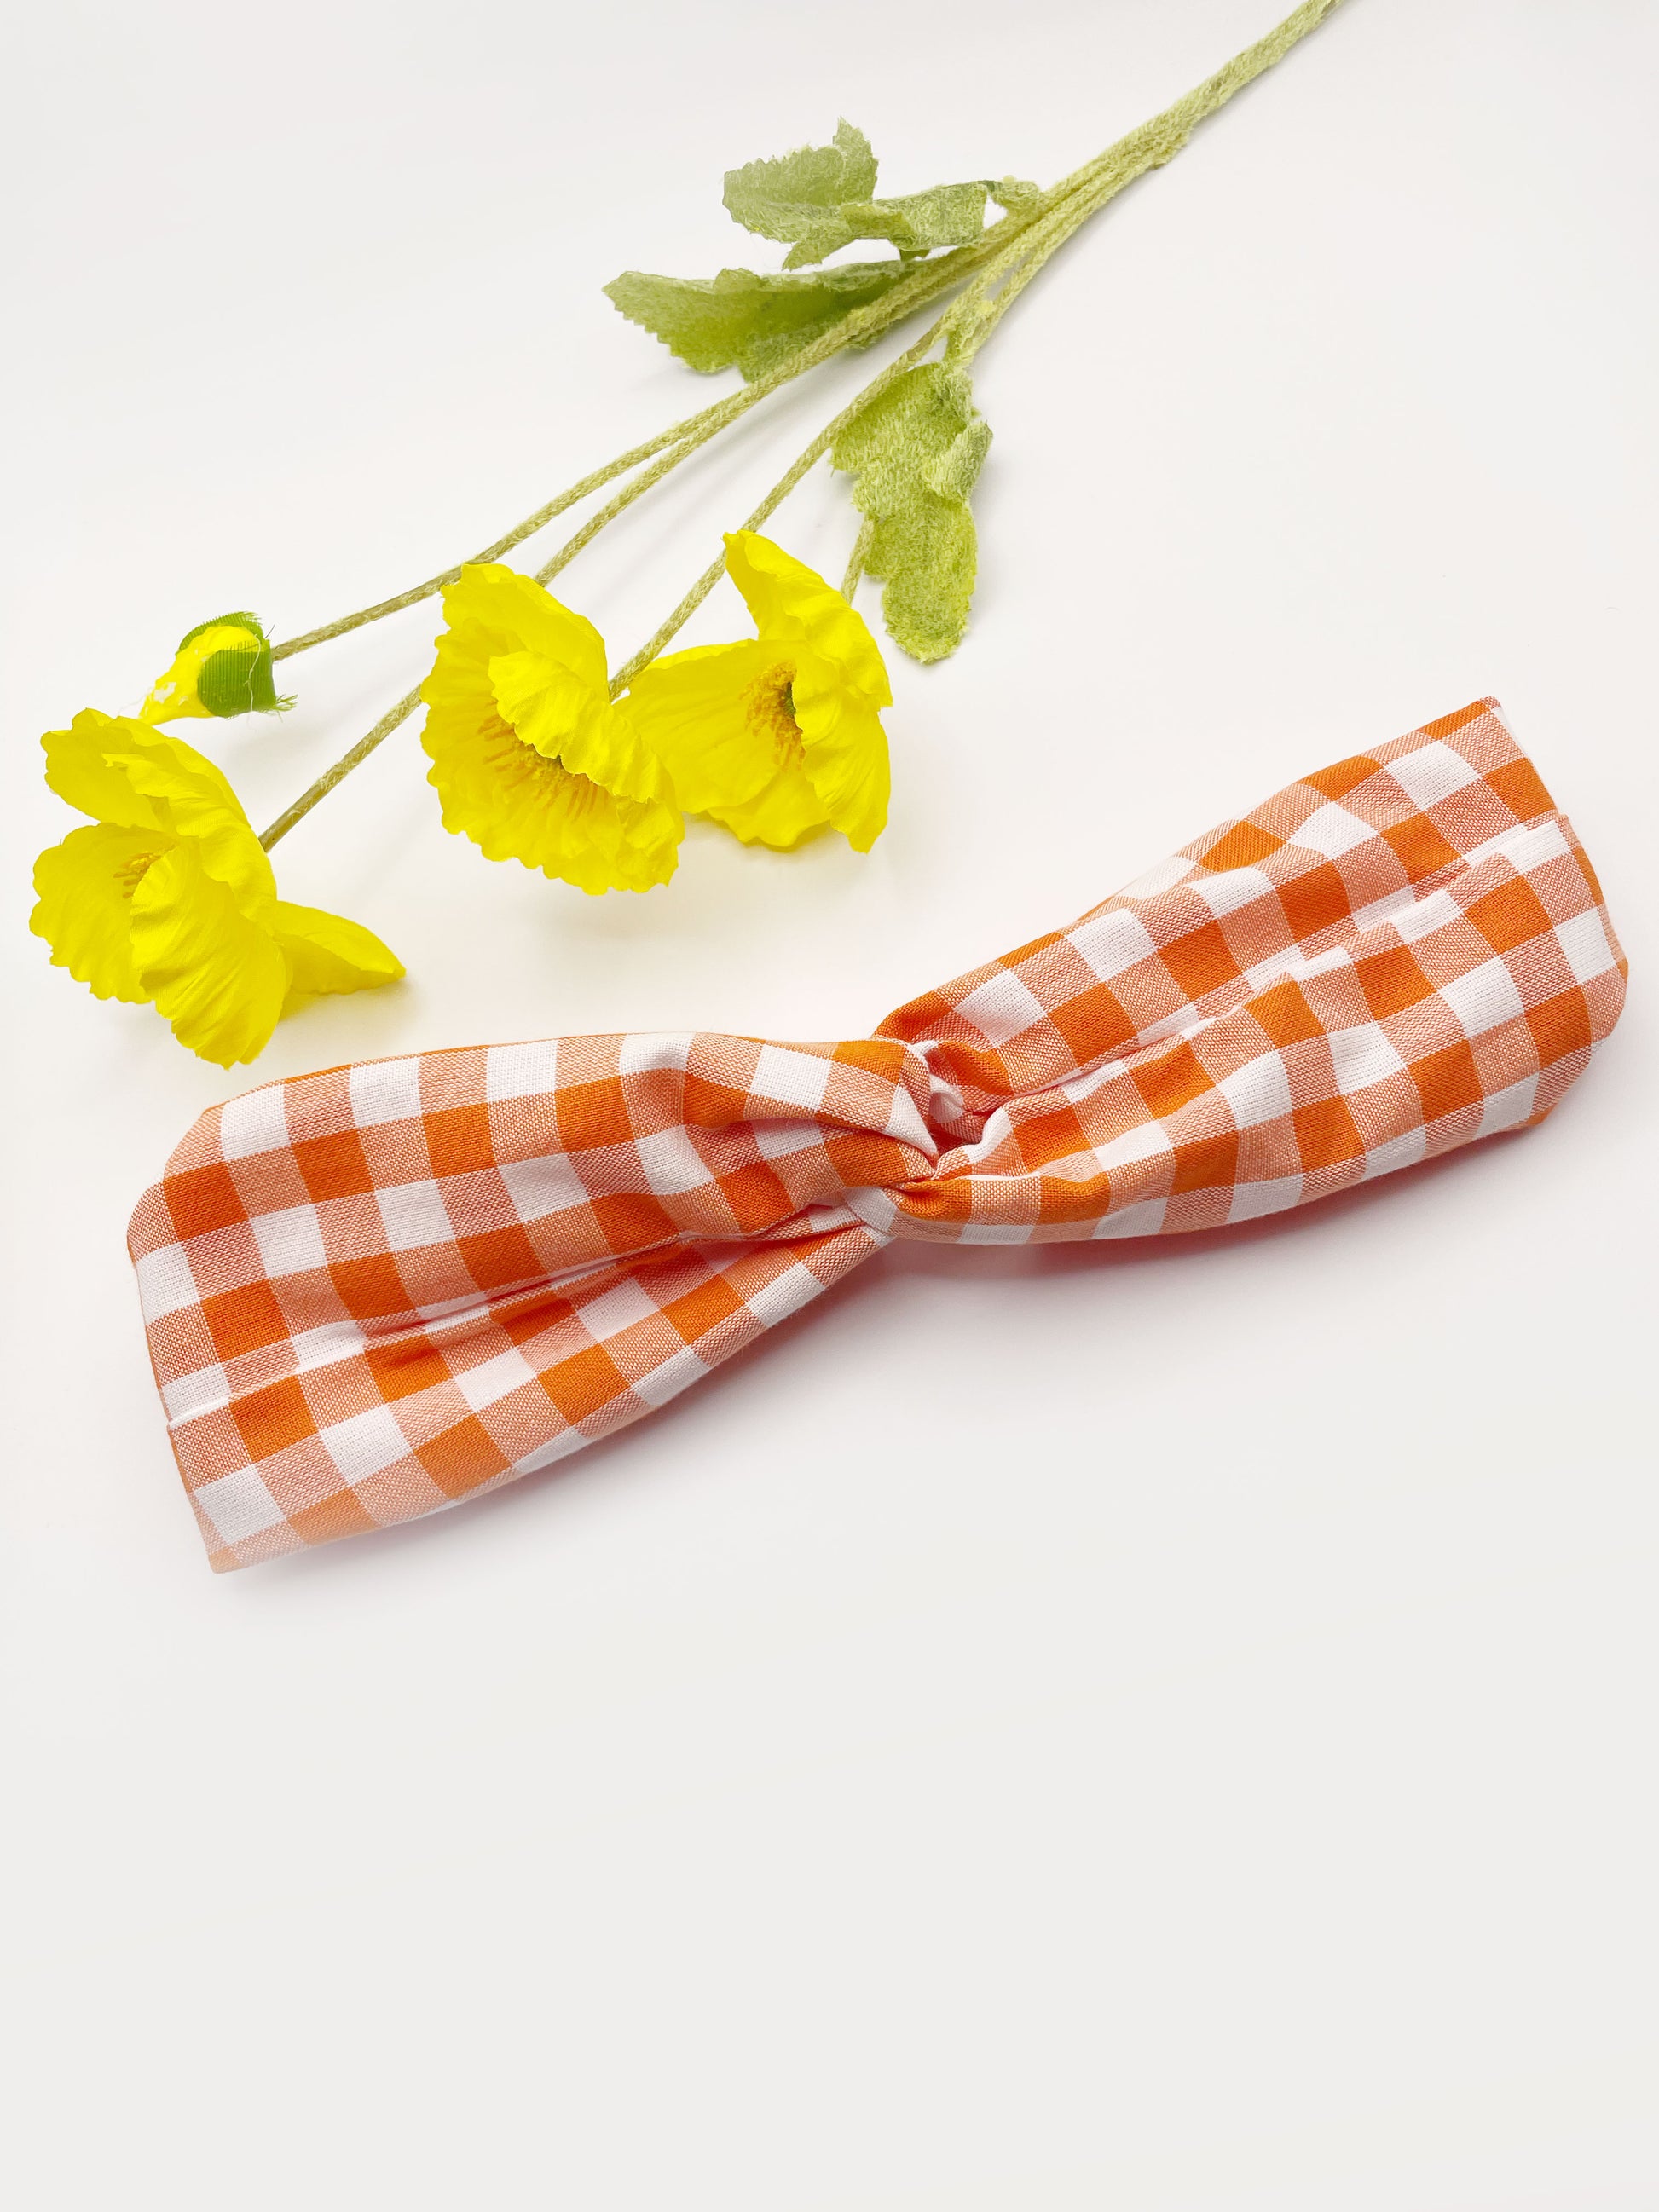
x=373 y=1292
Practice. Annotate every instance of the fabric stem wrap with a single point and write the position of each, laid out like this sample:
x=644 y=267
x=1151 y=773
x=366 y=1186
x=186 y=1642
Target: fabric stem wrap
x=373 y=1292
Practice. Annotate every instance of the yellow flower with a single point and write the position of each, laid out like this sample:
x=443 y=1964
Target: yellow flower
x=776 y=737
x=167 y=900
x=222 y=667
x=529 y=756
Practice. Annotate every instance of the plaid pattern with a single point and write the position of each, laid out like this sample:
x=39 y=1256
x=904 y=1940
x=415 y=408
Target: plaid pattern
x=374 y=1291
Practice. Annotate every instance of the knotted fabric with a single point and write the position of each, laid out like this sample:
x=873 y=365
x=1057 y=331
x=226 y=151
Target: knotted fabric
x=377 y=1291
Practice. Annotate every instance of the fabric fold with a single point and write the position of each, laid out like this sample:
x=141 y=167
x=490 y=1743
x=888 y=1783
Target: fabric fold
x=373 y=1292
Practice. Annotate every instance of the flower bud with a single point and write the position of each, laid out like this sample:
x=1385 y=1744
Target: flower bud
x=222 y=667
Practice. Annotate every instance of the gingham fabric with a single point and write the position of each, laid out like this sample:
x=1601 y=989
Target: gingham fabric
x=375 y=1291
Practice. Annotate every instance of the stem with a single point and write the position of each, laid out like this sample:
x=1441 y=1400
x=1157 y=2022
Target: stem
x=1010 y=253
x=713 y=419
x=1149 y=146
x=980 y=308
x=595 y=523
x=774 y=498
x=326 y=782
x=520 y=532
x=1064 y=195
x=683 y=438
x=860 y=554
x=971 y=318
x=395 y=716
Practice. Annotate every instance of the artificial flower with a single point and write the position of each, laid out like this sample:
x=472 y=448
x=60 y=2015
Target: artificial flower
x=779 y=735
x=222 y=667
x=530 y=759
x=167 y=900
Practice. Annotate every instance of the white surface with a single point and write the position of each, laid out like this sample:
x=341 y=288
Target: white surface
x=1155 y=1727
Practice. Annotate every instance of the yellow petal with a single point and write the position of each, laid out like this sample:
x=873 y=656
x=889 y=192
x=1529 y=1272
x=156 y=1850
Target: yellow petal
x=785 y=810
x=196 y=802
x=77 y=771
x=587 y=801
x=326 y=952
x=790 y=601
x=166 y=769
x=542 y=699
x=555 y=710
x=604 y=844
x=490 y=602
x=516 y=805
x=214 y=974
x=85 y=914
x=689 y=708
x=844 y=751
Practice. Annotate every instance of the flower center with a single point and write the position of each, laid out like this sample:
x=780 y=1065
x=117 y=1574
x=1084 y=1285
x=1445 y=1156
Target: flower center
x=768 y=709
x=130 y=873
x=518 y=764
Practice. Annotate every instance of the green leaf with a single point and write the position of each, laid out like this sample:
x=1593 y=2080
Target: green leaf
x=949 y=214
x=1014 y=193
x=915 y=451
x=783 y=197
x=819 y=198
x=743 y=319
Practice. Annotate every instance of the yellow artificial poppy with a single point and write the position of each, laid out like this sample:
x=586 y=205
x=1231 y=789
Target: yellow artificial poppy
x=167 y=899
x=530 y=759
x=222 y=667
x=777 y=736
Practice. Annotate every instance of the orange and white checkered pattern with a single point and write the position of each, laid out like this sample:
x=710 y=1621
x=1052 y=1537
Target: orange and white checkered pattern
x=373 y=1292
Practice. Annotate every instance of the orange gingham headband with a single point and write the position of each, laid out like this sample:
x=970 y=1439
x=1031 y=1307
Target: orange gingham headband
x=377 y=1291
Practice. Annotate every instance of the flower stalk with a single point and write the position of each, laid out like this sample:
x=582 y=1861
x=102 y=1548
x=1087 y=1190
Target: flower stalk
x=396 y=716
x=998 y=267
x=681 y=440
x=856 y=559
x=1016 y=246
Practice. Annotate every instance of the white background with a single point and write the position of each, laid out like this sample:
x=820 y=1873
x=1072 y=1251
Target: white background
x=1165 y=1726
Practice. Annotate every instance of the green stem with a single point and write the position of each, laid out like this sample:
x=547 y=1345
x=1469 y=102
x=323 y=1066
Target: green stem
x=326 y=782
x=608 y=514
x=520 y=532
x=1078 y=194
x=971 y=318
x=726 y=410
x=774 y=498
x=1008 y=257
x=681 y=440
x=860 y=554
x=396 y=716
x=1064 y=195
x=980 y=308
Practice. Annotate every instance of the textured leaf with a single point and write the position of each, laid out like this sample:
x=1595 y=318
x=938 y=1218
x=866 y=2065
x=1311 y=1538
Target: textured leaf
x=783 y=197
x=949 y=214
x=1014 y=193
x=915 y=451
x=741 y=319
x=819 y=198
